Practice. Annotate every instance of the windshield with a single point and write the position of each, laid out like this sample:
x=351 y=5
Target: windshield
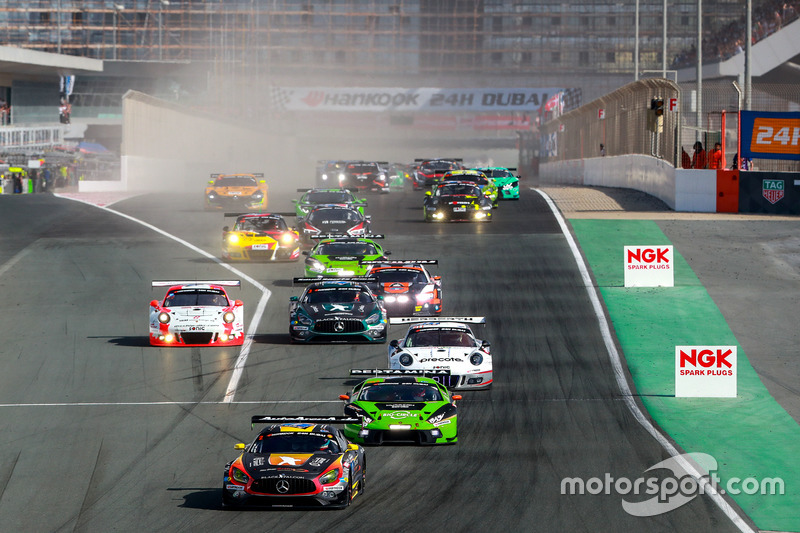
x=400 y=392
x=333 y=216
x=391 y=275
x=235 y=182
x=498 y=173
x=337 y=295
x=333 y=197
x=346 y=248
x=439 y=337
x=457 y=189
x=365 y=167
x=439 y=165
x=474 y=178
x=295 y=443
x=196 y=297
x=260 y=224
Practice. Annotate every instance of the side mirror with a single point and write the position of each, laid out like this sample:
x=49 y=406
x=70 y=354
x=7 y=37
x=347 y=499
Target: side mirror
x=304 y=252
x=368 y=217
x=154 y=303
x=394 y=343
x=437 y=278
x=226 y=229
x=387 y=252
x=294 y=298
x=238 y=446
x=352 y=446
x=238 y=303
x=455 y=397
x=211 y=182
x=344 y=397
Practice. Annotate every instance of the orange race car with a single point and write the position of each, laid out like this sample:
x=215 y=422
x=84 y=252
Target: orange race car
x=239 y=191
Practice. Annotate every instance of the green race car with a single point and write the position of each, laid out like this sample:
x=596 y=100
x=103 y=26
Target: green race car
x=488 y=188
x=507 y=183
x=401 y=406
x=314 y=197
x=343 y=256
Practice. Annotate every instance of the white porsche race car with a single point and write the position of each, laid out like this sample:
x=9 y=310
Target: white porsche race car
x=444 y=344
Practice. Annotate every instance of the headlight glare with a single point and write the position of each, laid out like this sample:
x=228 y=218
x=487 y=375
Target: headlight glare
x=163 y=317
x=228 y=317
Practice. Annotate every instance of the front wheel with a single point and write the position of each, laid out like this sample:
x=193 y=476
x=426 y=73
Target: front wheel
x=347 y=495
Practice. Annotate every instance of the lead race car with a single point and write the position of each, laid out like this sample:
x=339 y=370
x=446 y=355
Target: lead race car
x=296 y=461
x=400 y=406
x=243 y=191
x=196 y=313
x=445 y=344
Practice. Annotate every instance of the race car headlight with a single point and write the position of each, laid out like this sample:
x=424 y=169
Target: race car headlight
x=233 y=238
x=303 y=319
x=287 y=238
x=315 y=266
x=258 y=195
x=382 y=177
x=239 y=476
x=211 y=196
x=342 y=177
x=324 y=176
x=476 y=359
x=331 y=476
x=228 y=317
x=405 y=359
x=374 y=318
x=163 y=317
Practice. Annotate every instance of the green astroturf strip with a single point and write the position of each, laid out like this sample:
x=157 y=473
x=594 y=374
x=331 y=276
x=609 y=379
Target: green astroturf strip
x=750 y=436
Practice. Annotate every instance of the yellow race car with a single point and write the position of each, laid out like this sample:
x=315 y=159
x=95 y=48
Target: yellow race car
x=237 y=191
x=260 y=237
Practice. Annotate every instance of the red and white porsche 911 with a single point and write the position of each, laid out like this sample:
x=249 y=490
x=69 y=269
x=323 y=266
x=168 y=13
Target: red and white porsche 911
x=196 y=313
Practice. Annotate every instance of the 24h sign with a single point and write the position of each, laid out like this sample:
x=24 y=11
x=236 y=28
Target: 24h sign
x=772 y=190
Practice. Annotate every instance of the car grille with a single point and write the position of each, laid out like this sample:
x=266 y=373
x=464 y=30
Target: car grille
x=295 y=486
x=348 y=325
x=450 y=381
x=197 y=337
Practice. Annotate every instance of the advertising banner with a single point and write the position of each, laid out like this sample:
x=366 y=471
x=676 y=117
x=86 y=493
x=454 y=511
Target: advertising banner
x=770 y=135
x=424 y=99
x=649 y=266
x=705 y=371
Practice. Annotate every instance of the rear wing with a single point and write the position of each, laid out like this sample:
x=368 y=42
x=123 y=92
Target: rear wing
x=401 y=262
x=397 y=372
x=225 y=283
x=422 y=319
x=254 y=174
x=346 y=236
x=271 y=419
x=277 y=213
x=353 y=279
x=459 y=159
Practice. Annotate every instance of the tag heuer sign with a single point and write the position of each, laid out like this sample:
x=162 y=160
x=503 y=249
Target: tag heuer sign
x=772 y=190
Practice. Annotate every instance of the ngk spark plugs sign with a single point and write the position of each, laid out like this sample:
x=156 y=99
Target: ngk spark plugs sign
x=705 y=371
x=649 y=266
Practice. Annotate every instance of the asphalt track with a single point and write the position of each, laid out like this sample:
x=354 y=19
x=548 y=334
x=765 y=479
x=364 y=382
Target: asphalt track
x=102 y=432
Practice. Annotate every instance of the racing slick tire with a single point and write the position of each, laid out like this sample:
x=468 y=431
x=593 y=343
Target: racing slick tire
x=347 y=495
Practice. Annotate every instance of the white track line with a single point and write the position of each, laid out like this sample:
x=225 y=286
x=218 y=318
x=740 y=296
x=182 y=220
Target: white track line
x=14 y=260
x=622 y=383
x=244 y=352
x=148 y=404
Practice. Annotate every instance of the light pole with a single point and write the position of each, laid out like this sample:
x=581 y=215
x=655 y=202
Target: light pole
x=161 y=29
x=117 y=9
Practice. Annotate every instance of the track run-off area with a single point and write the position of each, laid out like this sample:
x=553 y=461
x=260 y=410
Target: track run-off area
x=103 y=432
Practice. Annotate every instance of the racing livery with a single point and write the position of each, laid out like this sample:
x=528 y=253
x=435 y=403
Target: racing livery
x=400 y=406
x=506 y=182
x=296 y=461
x=333 y=219
x=488 y=188
x=314 y=197
x=260 y=236
x=196 y=313
x=447 y=344
x=361 y=175
x=407 y=288
x=343 y=256
x=341 y=310
x=242 y=191
x=429 y=172
x=457 y=201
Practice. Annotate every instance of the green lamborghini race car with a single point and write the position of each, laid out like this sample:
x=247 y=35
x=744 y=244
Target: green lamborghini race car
x=343 y=256
x=401 y=406
x=506 y=182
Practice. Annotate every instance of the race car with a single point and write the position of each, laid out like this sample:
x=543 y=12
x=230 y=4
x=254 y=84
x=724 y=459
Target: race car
x=341 y=310
x=400 y=406
x=314 y=197
x=488 y=188
x=343 y=256
x=407 y=288
x=506 y=182
x=296 y=461
x=445 y=344
x=457 y=201
x=260 y=236
x=196 y=313
x=364 y=175
x=329 y=172
x=242 y=191
x=337 y=219
x=429 y=172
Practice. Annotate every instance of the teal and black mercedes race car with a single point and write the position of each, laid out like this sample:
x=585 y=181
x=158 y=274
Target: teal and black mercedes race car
x=507 y=183
x=343 y=256
x=311 y=198
x=401 y=406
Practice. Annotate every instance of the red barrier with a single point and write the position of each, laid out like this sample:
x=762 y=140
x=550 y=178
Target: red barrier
x=727 y=191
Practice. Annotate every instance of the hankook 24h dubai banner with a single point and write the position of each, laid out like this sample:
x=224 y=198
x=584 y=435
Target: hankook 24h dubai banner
x=426 y=99
x=770 y=135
